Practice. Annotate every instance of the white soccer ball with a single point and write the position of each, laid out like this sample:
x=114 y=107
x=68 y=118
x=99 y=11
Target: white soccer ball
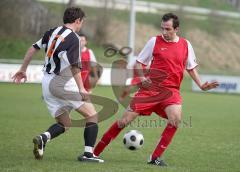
x=133 y=140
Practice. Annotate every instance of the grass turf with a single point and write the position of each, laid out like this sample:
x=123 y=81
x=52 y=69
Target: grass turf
x=208 y=140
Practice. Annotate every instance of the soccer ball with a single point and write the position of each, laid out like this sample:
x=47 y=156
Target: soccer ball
x=133 y=140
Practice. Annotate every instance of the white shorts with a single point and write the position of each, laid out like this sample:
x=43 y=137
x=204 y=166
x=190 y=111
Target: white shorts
x=59 y=104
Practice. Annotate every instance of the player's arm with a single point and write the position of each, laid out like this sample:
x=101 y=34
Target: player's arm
x=192 y=71
x=205 y=86
x=21 y=73
x=144 y=58
x=94 y=65
x=73 y=54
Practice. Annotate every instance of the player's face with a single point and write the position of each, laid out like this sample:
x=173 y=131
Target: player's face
x=168 y=32
x=78 y=24
x=83 y=41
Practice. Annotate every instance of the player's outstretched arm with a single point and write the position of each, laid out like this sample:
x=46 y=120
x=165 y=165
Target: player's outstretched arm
x=206 y=86
x=21 y=74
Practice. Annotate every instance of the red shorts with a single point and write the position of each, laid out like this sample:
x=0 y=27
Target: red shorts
x=145 y=102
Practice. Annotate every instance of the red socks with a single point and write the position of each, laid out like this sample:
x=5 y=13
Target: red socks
x=111 y=134
x=166 y=138
x=114 y=130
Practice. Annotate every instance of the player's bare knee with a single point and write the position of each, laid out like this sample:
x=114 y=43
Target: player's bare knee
x=92 y=118
x=90 y=114
x=174 y=121
x=178 y=120
x=171 y=118
x=66 y=124
x=177 y=123
x=171 y=122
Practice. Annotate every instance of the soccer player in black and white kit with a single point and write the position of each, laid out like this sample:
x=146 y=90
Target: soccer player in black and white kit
x=62 y=48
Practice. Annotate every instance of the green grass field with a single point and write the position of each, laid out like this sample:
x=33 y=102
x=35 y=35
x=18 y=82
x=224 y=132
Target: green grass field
x=208 y=140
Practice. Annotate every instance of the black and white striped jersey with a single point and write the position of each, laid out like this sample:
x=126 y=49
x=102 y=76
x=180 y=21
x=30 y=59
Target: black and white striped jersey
x=62 y=49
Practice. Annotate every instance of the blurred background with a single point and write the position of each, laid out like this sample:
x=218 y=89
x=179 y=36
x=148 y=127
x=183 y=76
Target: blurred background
x=212 y=26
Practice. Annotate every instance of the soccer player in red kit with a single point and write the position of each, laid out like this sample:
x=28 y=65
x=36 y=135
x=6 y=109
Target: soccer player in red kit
x=89 y=63
x=170 y=55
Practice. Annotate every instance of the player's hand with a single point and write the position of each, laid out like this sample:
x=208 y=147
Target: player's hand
x=19 y=76
x=146 y=82
x=85 y=95
x=208 y=86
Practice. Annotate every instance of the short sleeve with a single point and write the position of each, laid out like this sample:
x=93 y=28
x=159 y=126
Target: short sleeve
x=42 y=43
x=191 y=60
x=92 y=58
x=38 y=45
x=145 y=55
x=73 y=51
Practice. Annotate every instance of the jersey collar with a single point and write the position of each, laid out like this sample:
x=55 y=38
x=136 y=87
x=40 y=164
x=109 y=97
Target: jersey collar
x=175 y=40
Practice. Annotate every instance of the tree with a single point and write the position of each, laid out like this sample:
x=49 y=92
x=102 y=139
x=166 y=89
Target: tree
x=72 y=3
x=24 y=17
x=101 y=24
x=235 y=3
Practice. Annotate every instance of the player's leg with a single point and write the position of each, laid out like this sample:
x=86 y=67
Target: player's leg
x=133 y=110
x=126 y=91
x=114 y=130
x=90 y=131
x=174 y=114
x=63 y=122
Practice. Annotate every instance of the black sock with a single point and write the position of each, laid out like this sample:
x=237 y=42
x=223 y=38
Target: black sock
x=90 y=134
x=44 y=137
x=55 y=130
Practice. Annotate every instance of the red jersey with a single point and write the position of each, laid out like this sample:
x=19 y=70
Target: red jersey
x=168 y=62
x=86 y=68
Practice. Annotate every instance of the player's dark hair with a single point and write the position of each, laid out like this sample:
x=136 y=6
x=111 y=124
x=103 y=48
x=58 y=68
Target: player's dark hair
x=73 y=13
x=169 y=16
x=83 y=35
